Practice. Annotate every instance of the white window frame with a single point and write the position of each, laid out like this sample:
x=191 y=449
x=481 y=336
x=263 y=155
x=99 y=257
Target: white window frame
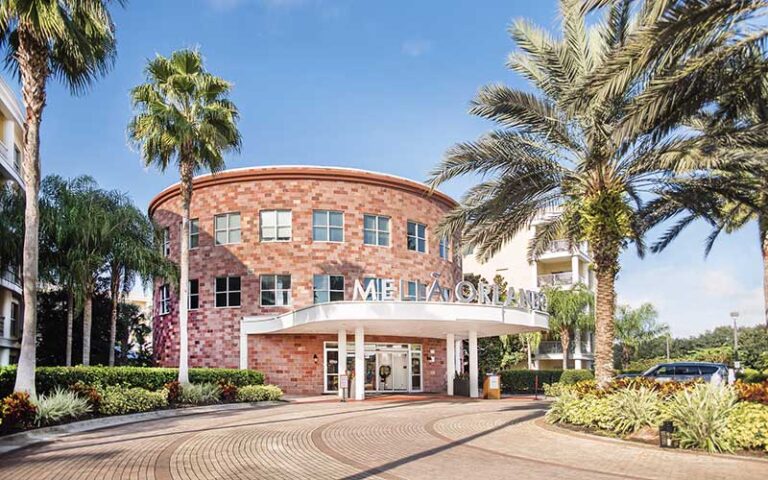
x=328 y=227
x=329 y=290
x=408 y=236
x=194 y=232
x=190 y=294
x=166 y=242
x=377 y=232
x=227 y=291
x=165 y=299
x=276 y=290
x=16 y=325
x=17 y=160
x=228 y=230
x=275 y=216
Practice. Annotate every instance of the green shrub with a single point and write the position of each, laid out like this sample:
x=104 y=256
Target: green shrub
x=633 y=409
x=748 y=426
x=523 y=381
x=258 y=393
x=588 y=411
x=60 y=405
x=117 y=400
x=17 y=411
x=554 y=389
x=88 y=392
x=200 y=394
x=750 y=375
x=569 y=377
x=701 y=416
x=48 y=378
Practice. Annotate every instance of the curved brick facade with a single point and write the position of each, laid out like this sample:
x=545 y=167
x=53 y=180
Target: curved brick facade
x=214 y=331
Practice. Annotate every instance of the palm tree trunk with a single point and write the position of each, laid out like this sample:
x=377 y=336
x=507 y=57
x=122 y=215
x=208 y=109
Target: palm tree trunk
x=565 y=342
x=114 y=287
x=762 y=223
x=530 y=355
x=70 y=322
x=87 y=320
x=604 y=306
x=33 y=69
x=186 y=199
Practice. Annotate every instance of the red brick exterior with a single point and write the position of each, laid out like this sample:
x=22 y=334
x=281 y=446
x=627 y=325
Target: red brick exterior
x=214 y=332
x=289 y=360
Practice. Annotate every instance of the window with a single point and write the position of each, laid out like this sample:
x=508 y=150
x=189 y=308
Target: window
x=275 y=290
x=378 y=282
x=444 y=248
x=328 y=288
x=227 y=228
x=15 y=324
x=417 y=237
x=194 y=295
x=227 y=292
x=165 y=299
x=416 y=292
x=376 y=230
x=17 y=159
x=166 y=246
x=327 y=226
x=275 y=225
x=194 y=233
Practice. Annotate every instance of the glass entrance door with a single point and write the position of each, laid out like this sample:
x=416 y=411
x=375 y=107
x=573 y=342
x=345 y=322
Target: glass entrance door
x=392 y=371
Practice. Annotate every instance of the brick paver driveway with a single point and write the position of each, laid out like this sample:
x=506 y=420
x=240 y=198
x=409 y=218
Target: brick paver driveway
x=436 y=438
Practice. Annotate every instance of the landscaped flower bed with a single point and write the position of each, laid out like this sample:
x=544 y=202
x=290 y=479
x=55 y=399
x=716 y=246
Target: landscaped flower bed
x=71 y=393
x=705 y=416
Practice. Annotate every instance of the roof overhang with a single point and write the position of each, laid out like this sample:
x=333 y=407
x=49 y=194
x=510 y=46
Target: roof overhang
x=419 y=319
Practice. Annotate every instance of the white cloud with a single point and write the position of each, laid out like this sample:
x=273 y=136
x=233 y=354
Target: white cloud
x=416 y=48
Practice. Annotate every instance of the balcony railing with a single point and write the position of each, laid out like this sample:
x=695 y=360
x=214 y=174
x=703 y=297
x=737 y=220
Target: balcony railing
x=11 y=275
x=555 y=347
x=555 y=279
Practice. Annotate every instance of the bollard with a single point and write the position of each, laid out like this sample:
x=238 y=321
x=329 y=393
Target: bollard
x=536 y=387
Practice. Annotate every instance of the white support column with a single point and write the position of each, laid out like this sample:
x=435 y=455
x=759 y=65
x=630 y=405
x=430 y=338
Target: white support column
x=342 y=369
x=5 y=312
x=450 y=355
x=9 y=140
x=359 y=364
x=575 y=272
x=535 y=271
x=243 y=347
x=473 y=369
x=577 y=364
x=458 y=358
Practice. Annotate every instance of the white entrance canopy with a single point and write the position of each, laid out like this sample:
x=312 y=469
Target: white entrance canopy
x=412 y=319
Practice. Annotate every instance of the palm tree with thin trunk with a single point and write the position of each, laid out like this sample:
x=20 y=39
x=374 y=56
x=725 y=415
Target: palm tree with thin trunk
x=531 y=340
x=570 y=310
x=634 y=326
x=184 y=116
x=70 y=40
x=598 y=132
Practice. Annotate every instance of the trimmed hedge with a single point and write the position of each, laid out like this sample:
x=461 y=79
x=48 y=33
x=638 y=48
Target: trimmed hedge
x=569 y=377
x=48 y=378
x=523 y=381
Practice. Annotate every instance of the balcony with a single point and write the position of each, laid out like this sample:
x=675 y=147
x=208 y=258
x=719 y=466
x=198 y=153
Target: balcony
x=10 y=278
x=555 y=279
x=555 y=348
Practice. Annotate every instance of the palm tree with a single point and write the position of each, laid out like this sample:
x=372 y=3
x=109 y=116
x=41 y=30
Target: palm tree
x=598 y=132
x=74 y=41
x=531 y=340
x=184 y=115
x=634 y=326
x=570 y=310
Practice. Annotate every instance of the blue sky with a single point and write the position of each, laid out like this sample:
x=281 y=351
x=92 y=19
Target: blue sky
x=375 y=85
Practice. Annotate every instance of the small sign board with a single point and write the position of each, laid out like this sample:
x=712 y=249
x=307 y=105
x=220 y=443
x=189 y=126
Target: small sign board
x=493 y=382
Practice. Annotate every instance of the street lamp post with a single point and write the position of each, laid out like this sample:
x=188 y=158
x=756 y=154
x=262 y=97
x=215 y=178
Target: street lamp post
x=734 y=317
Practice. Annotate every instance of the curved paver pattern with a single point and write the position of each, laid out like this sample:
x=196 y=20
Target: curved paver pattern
x=437 y=438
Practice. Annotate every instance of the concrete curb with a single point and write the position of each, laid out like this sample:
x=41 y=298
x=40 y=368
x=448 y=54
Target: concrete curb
x=20 y=440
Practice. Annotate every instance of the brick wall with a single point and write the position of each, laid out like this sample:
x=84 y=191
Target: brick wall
x=214 y=332
x=288 y=360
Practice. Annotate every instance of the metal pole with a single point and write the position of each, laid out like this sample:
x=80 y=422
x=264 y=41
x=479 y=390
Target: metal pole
x=734 y=317
x=667 y=347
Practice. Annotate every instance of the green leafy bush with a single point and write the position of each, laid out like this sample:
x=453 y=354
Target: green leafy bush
x=632 y=409
x=258 y=393
x=60 y=405
x=48 y=378
x=701 y=415
x=588 y=411
x=748 y=427
x=554 y=389
x=117 y=400
x=523 y=381
x=569 y=377
x=200 y=394
x=750 y=375
x=17 y=411
x=88 y=392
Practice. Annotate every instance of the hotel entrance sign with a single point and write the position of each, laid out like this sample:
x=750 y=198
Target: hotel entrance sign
x=462 y=292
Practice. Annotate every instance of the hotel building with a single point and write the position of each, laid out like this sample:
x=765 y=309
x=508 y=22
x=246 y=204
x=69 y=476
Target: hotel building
x=561 y=265
x=11 y=141
x=306 y=273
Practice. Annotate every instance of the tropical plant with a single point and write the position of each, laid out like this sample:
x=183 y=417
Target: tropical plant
x=634 y=409
x=60 y=405
x=17 y=410
x=633 y=326
x=117 y=400
x=701 y=415
x=200 y=393
x=748 y=427
x=258 y=393
x=73 y=41
x=570 y=310
x=183 y=115
x=531 y=341
x=599 y=130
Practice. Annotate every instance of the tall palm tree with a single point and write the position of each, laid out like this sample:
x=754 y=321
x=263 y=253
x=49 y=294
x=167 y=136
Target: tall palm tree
x=184 y=116
x=597 y=132
x=570 y=310
x=634 y=326
x=74 y=41
x=531 y=340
